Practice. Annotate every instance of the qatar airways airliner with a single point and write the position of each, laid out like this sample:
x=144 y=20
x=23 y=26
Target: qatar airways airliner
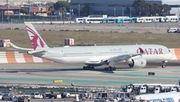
x=136 y=56
x=159 y=97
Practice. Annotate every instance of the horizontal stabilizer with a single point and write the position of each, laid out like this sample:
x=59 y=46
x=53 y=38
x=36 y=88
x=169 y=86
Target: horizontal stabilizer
x=19 y=49
x=37 y=52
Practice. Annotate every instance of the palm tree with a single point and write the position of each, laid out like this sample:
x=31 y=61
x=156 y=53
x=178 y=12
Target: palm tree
x=51 y=8
x=63 y=11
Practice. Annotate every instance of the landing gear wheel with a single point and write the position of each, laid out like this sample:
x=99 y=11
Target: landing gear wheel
x=91 y=67
x=84 y=68
x=106 y=68
x=110 y=68
x=88 y=68
x=163 y=64
x=114 y=68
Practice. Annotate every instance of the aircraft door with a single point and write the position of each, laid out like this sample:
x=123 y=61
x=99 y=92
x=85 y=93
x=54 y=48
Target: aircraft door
x=61 y=53
x=95 y=53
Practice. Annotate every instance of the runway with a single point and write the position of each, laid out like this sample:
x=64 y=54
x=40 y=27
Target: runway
x=46 y=73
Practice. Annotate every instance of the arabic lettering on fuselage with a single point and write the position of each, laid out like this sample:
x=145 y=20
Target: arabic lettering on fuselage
x=115 y=49
x=151 y=51
x=169 y=99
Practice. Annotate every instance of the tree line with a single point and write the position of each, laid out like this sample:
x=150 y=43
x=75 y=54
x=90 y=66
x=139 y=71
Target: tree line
x=63 y=7
x=141 y=7
x=150 y=9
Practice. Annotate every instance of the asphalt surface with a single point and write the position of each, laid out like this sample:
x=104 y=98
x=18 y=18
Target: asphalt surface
x=46 y=73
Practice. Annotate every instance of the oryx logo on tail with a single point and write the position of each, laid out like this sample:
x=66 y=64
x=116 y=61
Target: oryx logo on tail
x=35 y=39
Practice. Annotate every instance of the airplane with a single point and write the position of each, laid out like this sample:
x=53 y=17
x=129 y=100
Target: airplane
x=136 y=56
x=159 y=97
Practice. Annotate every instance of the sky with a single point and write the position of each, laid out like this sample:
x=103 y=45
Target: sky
x=171 y=2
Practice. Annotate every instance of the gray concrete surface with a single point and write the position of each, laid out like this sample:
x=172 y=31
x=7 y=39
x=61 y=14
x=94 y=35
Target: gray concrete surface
x=46 y=73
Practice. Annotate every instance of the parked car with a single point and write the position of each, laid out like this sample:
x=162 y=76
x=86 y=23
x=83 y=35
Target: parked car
x=18 y=99
x=7 y=97
x=36 y=95
x=1 y=96
x=177 y=31
x=172 y=30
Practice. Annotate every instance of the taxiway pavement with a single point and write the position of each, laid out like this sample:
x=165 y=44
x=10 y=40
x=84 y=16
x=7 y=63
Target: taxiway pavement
x=45 y=74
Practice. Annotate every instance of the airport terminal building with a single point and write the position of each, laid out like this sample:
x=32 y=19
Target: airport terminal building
x=108 y=7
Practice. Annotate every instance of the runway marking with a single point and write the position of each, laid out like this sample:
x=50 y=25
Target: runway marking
x=19 y=57
x=44 y=60
x=28 y=58
x=16 y=57
x=176 y=53
x=3 y=58
x=11 y=57
x=67 y=81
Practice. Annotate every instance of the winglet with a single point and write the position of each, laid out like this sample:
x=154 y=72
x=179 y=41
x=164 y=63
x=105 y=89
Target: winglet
x=36 y=41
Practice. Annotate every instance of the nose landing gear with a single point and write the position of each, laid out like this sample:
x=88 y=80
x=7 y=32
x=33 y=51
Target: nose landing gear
x=163 y=64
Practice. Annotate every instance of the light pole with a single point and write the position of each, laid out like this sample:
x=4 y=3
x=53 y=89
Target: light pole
x=71 y=11
x=79 y=10
x=29 y=8
x=122 y=11
x=19 y=13
x=130 y=11
x=77 y=97
x=114 y=12
x=178 y=15
x=2 y=16
x=7 y=10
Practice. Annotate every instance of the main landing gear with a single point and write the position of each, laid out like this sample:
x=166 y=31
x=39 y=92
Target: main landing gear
x=110 y=68
x=163 y=64
x=88 y=67
x=92 y=68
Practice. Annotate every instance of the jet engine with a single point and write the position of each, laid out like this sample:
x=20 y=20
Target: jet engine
x=137 y=62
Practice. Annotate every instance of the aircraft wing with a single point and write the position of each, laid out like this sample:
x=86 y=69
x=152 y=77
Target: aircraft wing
x=107 y=60
x=121 y=58
x=112 y=59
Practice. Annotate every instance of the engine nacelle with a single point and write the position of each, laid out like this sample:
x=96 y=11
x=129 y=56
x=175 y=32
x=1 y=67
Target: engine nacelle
x=137 y=62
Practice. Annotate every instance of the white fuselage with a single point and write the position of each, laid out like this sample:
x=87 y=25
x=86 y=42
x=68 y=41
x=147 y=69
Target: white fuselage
x=80 y=54
x=160 y=97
